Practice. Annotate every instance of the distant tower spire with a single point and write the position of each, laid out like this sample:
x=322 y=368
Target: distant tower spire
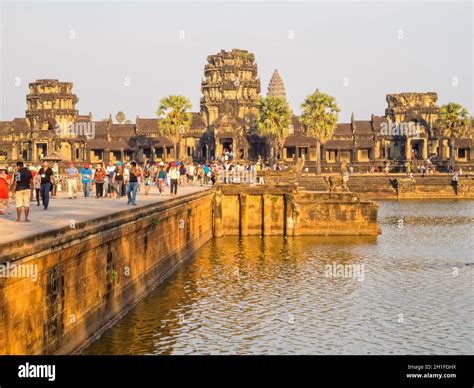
x=276 y=88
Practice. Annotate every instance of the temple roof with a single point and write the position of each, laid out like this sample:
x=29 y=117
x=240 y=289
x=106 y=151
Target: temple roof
x=122 y=130
x=362 y=127
x=339 y=145
x=343 y=129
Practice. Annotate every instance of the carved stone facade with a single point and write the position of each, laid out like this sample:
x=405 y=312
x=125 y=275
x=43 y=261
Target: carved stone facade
x=51 y=102
x=230 y=91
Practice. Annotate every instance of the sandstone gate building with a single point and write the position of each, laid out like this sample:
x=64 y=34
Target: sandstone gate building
x=230 y=90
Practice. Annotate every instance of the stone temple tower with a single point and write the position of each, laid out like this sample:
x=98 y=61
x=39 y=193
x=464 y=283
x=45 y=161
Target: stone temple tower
x=230 y=90
x=50 y=102
x=230 y=86
x=276 y=87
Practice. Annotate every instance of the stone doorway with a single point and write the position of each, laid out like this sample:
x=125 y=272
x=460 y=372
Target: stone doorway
x=417 y=150
x=226 y=145
x=41 y=150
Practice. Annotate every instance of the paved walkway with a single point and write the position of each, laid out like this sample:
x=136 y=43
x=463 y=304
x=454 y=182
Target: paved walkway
x=62 y=210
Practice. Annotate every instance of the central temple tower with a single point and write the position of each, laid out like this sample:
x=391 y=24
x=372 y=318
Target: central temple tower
x=230 y=90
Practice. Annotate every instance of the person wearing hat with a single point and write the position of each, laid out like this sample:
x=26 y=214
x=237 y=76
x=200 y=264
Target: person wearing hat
x=86 y=174
x=5 y=182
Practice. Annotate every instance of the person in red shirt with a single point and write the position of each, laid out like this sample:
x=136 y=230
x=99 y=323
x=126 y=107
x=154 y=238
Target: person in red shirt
x=5 y=182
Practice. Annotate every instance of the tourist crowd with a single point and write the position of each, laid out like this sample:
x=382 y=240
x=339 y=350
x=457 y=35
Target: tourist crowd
x=27 y=184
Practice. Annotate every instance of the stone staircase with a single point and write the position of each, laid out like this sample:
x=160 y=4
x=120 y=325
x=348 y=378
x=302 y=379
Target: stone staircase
x=311 y=182
x=378 y=185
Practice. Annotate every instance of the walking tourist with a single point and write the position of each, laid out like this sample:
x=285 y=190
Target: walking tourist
x=37 y=186
x=118 y=180
x=182 y=174
x=109 y=186
x=86 y=174
x=207 y=174
x=47 y=180
x=147 y=175
x=99 y=179
x=72 y=175
x=133 y=184
x=22 y=187
x=5 y=183
x=161 y=179
x=174 y=176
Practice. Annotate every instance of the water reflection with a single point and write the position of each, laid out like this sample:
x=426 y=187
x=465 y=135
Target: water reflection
x=273 y=296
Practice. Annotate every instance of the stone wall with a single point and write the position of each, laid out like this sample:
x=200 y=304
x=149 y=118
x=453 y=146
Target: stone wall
x=90 y=276
x=282 y=210
x=378 y=186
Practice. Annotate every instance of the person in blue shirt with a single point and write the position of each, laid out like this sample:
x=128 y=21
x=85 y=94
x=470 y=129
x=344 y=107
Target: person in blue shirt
x=207 y=174
x=86 y=174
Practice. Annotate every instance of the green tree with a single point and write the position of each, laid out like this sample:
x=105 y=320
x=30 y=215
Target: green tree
x=273 y=121
x=453 y=120
x=319 y=117
x=120 y=117
x=174 y=118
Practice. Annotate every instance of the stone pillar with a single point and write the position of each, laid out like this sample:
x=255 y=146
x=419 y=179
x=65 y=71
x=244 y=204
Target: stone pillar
x=267 y=214
x=446 y=149
x=207 y=152
x=244 y=217
x=377 y=150
x=152 y=154
x=425 y=149
x=408 y=150
x=121 y=155
x=35 y=153
x=165 y=154
x=218 y=148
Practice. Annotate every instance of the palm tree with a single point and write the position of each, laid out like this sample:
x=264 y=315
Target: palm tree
x=319 y=119
x=453 y=120
x=120 y=117
x=273 y=120
x=174 y=118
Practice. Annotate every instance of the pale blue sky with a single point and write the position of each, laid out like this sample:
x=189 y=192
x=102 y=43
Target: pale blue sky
x=141 y=41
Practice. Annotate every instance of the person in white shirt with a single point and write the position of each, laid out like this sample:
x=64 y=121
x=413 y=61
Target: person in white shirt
x=174 y=177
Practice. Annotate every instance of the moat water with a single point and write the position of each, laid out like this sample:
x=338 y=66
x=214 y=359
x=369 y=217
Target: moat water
x=411 y=291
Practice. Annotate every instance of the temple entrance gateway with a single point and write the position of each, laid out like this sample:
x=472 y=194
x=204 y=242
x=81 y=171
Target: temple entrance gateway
x=226 y=144
x=416 y=149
